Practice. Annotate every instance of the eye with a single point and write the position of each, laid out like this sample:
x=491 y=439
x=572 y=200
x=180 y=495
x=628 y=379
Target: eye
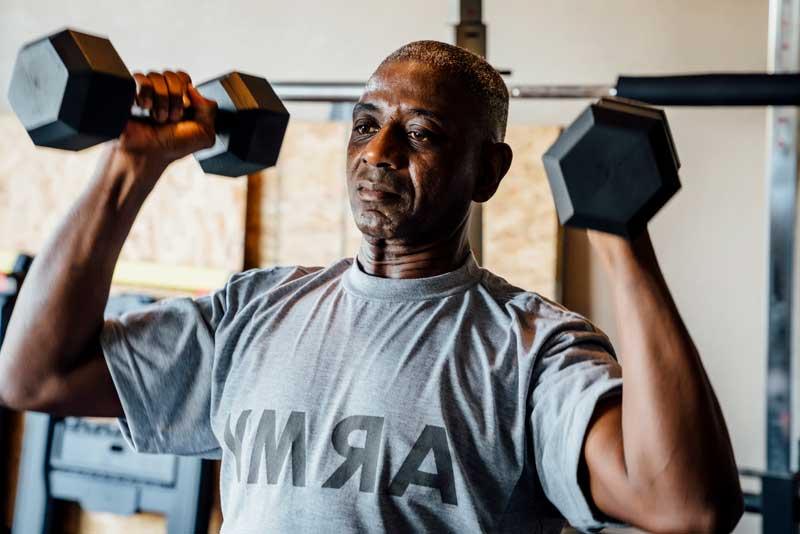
x=365 y=128
x=419 y=135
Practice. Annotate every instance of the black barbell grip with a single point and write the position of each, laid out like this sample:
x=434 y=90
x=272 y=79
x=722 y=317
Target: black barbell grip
x=732 y=89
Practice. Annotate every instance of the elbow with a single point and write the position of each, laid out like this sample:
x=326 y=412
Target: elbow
x=21 y=397
x=720 y=516
x=12 y=392
x=10 y=399
x=714 y=520
x=13 y=398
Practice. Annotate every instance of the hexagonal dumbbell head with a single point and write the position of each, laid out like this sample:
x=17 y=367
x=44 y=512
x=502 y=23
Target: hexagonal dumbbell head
x=71 y=90
x=613 y=168
x=251 y=123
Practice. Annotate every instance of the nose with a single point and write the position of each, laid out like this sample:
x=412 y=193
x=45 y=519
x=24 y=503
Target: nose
x=386 y=149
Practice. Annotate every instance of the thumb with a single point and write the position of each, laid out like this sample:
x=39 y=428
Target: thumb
x=205 y=110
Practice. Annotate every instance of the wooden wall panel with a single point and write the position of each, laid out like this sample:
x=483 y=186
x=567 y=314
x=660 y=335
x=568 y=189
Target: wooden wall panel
x=521 y=234
x=190 y=219
x=297 y=211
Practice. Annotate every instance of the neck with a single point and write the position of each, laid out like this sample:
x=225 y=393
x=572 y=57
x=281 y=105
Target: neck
x=396 y=258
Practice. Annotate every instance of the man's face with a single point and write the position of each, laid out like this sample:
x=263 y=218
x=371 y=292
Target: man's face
x=413 y=155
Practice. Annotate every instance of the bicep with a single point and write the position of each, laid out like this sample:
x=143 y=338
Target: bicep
x=603 y=472
x=87 y=390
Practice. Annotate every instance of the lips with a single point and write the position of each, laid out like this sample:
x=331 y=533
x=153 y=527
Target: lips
x=375 y=192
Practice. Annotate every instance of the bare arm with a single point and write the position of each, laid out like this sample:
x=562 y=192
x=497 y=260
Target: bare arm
x=661 y=458
x=51 y=359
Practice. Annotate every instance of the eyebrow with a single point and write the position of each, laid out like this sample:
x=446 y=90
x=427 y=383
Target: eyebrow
x=426 y=113
x=362 y=106
x=367 y=107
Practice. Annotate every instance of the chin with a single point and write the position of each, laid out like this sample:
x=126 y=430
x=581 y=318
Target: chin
x=376 y=225
x=377 y=231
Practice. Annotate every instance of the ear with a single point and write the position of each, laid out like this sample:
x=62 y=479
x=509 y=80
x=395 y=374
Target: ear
x=495 y=162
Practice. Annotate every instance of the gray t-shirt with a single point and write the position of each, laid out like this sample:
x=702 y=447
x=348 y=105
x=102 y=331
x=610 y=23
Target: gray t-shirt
x=343 y=402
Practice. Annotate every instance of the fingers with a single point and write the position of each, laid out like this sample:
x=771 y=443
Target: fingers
x=144 y=91
x=205 y=109
x=168 y=94
x=177 y=90
x=160 y=110
x=187 y=81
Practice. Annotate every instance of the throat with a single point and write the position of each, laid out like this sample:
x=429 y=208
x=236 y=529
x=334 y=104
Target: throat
x=389 y=259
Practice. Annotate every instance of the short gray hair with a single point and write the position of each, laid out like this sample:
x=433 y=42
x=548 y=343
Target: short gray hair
x=478 y=77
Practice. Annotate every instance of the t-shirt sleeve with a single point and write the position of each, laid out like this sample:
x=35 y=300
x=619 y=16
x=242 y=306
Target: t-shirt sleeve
x=161 y=359
x=575 y=368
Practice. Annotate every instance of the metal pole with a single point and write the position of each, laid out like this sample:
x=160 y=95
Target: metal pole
x=711 y=89
x=471 y=34
x=561 y=91
x=784 y=56
x=335 y=92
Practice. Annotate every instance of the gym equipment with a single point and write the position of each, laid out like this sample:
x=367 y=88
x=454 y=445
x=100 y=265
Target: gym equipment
x=10 y=284
x=76 y=459
x=613 y=168
x=71 y=91
x=713 y=89
x=87 y=462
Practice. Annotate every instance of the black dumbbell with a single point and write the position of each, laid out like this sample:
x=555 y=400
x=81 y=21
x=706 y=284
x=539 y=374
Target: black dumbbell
x=613 y=168
x=71 y=90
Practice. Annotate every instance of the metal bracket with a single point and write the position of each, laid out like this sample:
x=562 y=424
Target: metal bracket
x=782 y=172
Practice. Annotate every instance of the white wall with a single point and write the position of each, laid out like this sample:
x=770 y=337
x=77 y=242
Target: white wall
x=710 y=238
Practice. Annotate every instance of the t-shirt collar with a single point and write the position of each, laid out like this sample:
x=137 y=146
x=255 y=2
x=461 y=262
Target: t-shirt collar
x=369 y=286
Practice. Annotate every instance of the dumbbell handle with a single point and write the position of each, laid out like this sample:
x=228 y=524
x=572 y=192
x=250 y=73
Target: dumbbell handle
x=223 y=119
x=737 y=89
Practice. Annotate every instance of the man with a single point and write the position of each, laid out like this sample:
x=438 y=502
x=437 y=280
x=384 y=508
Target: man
x=406 y=389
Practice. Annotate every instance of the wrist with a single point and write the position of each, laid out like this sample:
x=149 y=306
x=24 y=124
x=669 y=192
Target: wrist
x=138 y=164
x=123 y=179
x=618 y=252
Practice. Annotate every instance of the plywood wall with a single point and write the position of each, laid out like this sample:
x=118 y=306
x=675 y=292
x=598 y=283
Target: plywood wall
x=295 y=213
x=190 y=219
x=521 y=235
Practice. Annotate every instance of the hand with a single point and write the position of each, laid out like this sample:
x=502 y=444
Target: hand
x=167 y=137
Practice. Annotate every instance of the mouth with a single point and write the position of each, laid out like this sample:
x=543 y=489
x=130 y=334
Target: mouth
x=371 y=192
x=370 y=195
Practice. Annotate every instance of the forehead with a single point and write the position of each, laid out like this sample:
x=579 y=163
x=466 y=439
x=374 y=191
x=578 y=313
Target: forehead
x=414 y=85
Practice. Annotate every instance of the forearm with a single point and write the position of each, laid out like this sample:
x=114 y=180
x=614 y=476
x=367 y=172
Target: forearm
x=676 y=445
x=59 y=311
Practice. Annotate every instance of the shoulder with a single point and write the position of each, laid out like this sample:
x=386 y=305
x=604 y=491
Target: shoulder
x=545 y=320
x=528 y=302
x=251 y=283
